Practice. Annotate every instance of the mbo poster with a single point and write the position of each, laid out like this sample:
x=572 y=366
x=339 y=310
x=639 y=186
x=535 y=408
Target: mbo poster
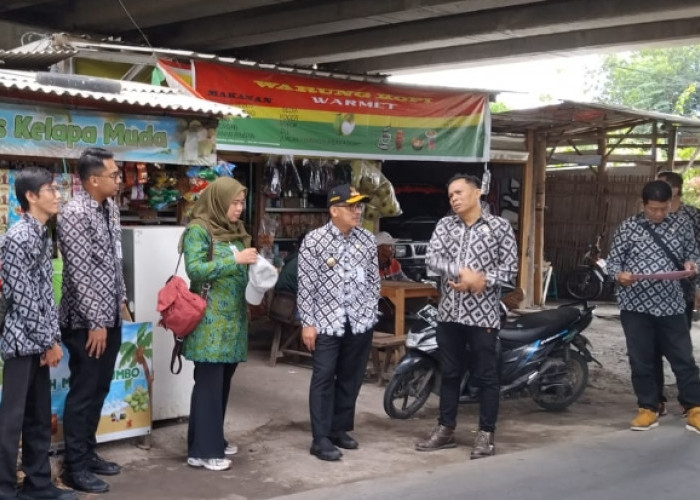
x=127 y=408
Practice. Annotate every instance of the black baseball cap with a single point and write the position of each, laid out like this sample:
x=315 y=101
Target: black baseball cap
x=345 y=193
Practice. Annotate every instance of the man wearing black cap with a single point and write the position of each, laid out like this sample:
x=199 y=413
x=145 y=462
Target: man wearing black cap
x=337 y=302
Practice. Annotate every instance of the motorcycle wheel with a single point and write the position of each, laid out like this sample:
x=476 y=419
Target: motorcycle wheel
x=407 y=392
x=583 y=284
x=577 y=374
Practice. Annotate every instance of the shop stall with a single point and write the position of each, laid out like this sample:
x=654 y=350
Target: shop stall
x=155 y=133
x=317 y=131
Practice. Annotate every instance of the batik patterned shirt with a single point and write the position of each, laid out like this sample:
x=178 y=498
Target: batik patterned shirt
x=338 y=280
x=488 y=246
x=89 y=236
x=31 y=322
x=634 y=250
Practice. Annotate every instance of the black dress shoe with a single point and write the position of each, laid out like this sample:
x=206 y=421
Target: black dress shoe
x=98 y=465
x=84 y=480
x=344 y=440
x=52 y=492
x=323 y=449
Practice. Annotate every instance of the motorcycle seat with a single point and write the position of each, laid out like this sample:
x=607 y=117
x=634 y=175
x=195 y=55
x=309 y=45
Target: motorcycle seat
x=539 y=325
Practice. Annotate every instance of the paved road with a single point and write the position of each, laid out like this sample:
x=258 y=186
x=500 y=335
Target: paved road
x=662 y=463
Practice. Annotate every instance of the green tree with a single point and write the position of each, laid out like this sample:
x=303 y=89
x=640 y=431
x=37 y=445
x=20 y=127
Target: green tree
x=498 y=107
x=663 y=80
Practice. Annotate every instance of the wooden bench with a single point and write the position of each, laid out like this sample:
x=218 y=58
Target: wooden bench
x=291 y=345
x=390 y=345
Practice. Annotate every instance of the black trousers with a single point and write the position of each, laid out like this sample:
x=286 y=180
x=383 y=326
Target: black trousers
x=339 y=365
x=659 y=368
x=646 y=335
x=90 y=380
x=205 y=431
x=25 y=410
x=452 y=339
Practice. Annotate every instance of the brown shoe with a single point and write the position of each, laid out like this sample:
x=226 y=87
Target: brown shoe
x=483 y=445
x=440 y=438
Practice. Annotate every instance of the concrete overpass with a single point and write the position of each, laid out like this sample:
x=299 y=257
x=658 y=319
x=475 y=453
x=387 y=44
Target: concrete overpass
x=366 y=36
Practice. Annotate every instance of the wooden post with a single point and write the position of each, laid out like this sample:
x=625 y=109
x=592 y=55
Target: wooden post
x=602 y=189
x=654 y=147
x=671 y=146
x=540 y=175
x=526 y=243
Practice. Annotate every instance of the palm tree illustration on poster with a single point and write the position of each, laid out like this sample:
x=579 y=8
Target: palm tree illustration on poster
x=127 y=408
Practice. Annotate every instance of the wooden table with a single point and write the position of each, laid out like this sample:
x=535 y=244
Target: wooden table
x=397 y=292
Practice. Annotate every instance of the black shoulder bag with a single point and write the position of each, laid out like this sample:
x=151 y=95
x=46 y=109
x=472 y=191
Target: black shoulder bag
x=688 y=286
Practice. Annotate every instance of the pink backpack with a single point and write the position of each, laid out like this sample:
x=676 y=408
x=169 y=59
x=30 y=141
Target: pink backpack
x=180 y=309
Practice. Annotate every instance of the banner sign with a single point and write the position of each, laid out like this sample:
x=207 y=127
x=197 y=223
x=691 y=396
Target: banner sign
x=323 y=116
x=127 y=408
x=64 y=133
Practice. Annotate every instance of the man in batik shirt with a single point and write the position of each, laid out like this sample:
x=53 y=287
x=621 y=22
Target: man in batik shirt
x=337 y=302
x=475 y=253
x=29 y=341
x=652 y=311
x=89 y=235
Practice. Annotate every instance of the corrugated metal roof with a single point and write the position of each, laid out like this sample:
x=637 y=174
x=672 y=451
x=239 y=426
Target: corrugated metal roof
x=40 y=53
x=570 y=118
x=33 y=60
x=138 y=95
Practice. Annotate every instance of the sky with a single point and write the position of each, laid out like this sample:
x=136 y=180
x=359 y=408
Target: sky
x=530 y=84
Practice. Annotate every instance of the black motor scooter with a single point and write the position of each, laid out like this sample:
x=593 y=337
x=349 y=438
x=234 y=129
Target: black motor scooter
x=543 y=355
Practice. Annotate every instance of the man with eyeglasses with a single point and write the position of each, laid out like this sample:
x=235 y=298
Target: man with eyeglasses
x=337 y=302
x=29 y=341
x=89 y=235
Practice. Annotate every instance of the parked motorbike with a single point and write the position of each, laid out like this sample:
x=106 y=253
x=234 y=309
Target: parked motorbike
x=589 y=279
x=543 y=355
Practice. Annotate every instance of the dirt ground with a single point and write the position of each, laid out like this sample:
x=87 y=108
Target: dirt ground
x=268 y=419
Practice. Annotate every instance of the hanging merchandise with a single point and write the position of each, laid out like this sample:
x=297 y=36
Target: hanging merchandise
x=164 y=191
x=342 y=174
x=266 y=236
x=291 y=180
x=369 y=180
x=305 y=175
x=272 y=178
x=224 y=169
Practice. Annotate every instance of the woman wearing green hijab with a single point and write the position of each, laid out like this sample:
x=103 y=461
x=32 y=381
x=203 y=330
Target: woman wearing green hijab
x=220 y=341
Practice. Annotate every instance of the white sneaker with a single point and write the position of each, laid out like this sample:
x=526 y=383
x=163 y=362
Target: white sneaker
x=231 y=449
x=210 y=463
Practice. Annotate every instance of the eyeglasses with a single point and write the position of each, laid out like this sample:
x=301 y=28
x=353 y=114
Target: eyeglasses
x=54 y=189
x=114 y=176
x=355 y=207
